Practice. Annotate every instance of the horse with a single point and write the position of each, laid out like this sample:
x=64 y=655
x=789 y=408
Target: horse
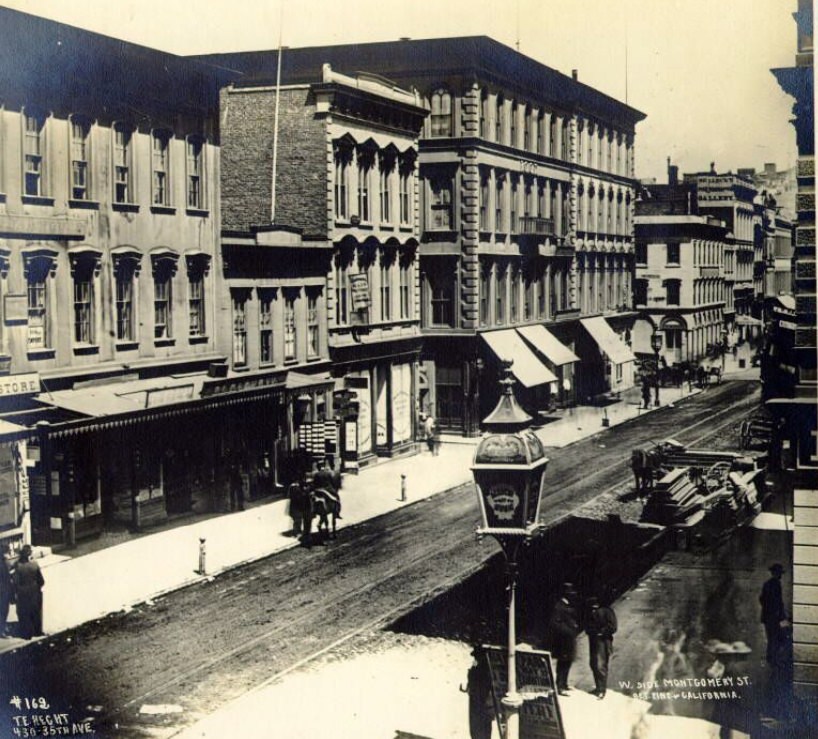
x=644 y=463
x=323 y=504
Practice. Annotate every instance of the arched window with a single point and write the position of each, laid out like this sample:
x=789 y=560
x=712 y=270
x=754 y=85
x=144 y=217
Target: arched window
x=441 y=115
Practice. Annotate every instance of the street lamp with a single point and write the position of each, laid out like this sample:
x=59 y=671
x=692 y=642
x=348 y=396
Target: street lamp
x=508 y=469
x=656 y=345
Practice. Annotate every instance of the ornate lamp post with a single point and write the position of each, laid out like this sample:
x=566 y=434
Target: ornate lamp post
x=656 y=345
x=508 y=469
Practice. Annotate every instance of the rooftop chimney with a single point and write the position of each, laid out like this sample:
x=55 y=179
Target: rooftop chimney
x=672 y=173
x=575 y=74
x=769 y=168
x=713 y=168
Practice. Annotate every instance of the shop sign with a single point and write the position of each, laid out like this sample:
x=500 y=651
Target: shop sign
x=165 y=395
x=235 y=384
x=359 y=289
x=20 y=384
x=540 y=716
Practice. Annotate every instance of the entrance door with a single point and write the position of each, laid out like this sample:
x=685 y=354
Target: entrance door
x=449 y=396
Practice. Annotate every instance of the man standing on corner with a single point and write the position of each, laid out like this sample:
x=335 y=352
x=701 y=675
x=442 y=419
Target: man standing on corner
x=564 y=629
x=773 y=613
x=601 y=627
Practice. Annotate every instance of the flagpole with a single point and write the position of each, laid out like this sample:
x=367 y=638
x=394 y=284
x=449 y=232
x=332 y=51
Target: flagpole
x=275 y=118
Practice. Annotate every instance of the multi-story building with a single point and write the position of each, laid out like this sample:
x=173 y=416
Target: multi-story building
x=526 y=198
x=112 y=312
x=679 y=285
x=342 y=171
x=777 y=249
x=795 y=402
x=730 y=198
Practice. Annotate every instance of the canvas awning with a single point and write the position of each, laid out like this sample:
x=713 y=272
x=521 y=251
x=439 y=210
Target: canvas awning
x=527 y=368
x=548 y=345
x=607 y=340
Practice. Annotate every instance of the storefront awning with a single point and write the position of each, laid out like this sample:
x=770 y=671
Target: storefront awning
x=547 y=344
x=126 y=403
x=527 y=368
x=607 y=341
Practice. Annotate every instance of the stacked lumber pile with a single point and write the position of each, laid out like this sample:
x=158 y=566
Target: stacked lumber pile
x=675 y=500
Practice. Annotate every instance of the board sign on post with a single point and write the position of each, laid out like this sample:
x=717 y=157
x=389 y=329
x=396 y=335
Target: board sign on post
x=540 y=716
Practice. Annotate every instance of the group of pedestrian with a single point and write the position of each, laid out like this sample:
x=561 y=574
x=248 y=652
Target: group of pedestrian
x=24 y=586
x=567 y=622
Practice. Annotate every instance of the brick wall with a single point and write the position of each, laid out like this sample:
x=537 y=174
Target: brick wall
x=247 y=161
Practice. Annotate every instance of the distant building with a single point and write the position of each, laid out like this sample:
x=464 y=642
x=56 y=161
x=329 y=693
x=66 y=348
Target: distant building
x=526 y=190
x=682 y=257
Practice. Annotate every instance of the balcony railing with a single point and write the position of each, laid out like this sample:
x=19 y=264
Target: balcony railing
x=535 y=226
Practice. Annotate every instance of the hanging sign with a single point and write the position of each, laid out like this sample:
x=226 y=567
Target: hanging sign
x=359 y=289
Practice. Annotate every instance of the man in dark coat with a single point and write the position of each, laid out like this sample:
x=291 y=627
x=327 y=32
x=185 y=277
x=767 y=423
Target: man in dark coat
x=564 y=629
x=324 y=479
x=773 y=613
x=601 y=626
x=481 y=703
x=28 y=588
x=236 y=488
x=6 y=592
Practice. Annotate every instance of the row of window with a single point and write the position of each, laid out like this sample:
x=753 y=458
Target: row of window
x=601 y=148
x=603 y=289
x=509 y=294
x=87 y=305
x=82 y=184
x=374 y=293
x=374 y=185
x=709 y=291
x=511 y=203
x=708 y=253
x=672 y=292
x=277 y=314
x=601 y=211
x=640 y=253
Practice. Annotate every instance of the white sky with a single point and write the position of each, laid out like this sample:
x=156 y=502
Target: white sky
x=699 y=69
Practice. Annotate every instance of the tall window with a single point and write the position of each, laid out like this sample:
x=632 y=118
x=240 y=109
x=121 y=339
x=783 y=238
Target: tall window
x=343 y=159
x=125 y=270
x=541 y=283
x=485 y=281
x=513 y=127
x=499 y=221
x=163 y=272
x=406 y=184
x=552 y=136
x=514 y=204
x=484 y=201
x=33 y=151
x=640 y=252
x=196 y=297
x=673 y=291
x=84 y=320
x=441 y=114
x=387 y=168
x=500 y=294
x=122 y=164
x=195 y=173
x=386 y=287
x=440 y=203
x=527 y=129
x=265 y=326
x=541 y=133
x=514 y=295
x=38 y=270
x=441 y=296
x=161 y=167
x=484 y=114
x=673 y=254
x=239 y=300
x=528 y=298
x=341 y=290
x=364 y=173
x=289 y=326
x=499 y=111
x=564 y=140
x=406 y=285
x=640 y=292
x=313 y=328
x=80 y=130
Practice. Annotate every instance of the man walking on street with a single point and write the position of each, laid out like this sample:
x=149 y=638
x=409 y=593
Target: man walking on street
x=564 y=629
x=28 y=588
x=600 y=628
x=324 y=479
x=773 y=614
x=430 y=431
x=6 y=592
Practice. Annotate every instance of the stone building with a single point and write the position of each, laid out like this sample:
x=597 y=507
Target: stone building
x=526 y=199
x=345 y=177
x=682 y=257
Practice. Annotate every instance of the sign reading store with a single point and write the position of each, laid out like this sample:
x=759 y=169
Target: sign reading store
x=19 y=384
